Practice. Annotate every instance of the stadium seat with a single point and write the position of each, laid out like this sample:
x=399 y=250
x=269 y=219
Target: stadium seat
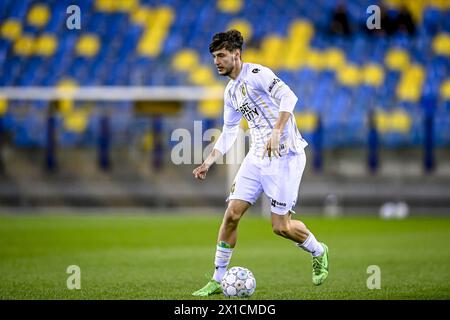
x=11 y=29
x=38 y=15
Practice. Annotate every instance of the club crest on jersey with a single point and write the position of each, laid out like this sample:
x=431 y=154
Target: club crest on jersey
x=248 y=113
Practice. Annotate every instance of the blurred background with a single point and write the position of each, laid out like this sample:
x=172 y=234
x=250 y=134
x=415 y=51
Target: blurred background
x=87 y=114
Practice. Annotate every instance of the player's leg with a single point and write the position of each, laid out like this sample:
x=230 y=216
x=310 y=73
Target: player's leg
x=228 y=229
x=284 y=226
x=225 y=243
x=281 y=185
x=244 y=192
x=296 y=231
x=228 y=236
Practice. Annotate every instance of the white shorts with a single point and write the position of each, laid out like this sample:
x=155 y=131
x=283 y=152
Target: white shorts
x=278 y=178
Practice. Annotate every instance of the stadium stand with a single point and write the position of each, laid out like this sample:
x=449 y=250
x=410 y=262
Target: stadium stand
x=337 y=77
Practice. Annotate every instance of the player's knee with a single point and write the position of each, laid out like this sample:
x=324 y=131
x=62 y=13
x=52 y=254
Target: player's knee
x=232 y=215
x=280 y=229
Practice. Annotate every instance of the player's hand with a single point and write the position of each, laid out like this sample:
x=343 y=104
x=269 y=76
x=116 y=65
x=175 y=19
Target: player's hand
x=200 y=171
x=272 y=146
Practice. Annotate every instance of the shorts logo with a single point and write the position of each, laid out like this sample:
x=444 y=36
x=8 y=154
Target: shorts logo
x=256 y=70
x=274 y=82
x=276 y=203
x=233 y=186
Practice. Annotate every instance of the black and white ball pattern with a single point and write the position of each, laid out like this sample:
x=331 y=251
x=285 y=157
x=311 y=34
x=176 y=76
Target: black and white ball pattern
x=238 y=282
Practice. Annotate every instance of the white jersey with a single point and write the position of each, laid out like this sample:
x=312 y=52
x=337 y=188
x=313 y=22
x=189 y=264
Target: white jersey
x=258 y=95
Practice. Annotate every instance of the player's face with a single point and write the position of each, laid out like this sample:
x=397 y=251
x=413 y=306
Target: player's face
x=225 y=61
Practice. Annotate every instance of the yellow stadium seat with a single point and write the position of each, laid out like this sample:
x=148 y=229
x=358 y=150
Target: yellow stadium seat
x=202 y=75
x=306 y=121
x=295 y=45
x=295 y=55
x=441 y=44
x=67 y=86
x=410 y=84
x=3 y=105
x=373 y=74
x=349 y=75
x=445 y=90
x=315 y=60
x=142 y=16
x=292 y=62
x=105 y=5
x=65 y=106
x=11 y=29
x=252 y=55
x=147 y=46
x=382 y=123
x=415 y=72
x=334 y=58
x=157 y=22
x=88 y=45
x=400 y=121
x=271 y=43
x=230 y=6
x=24 y=46
x=397 y=59
x=301 y=30
x=408 y=92
x=395 y=121
x=164 y=16
x=150 y=43
x=185 y=60
x=38 y=15
x=76 y=121
x=127 y=6
x=243 y=27
x=272 y=48
x=210 y=108
x=416 y=9
x=46 y=45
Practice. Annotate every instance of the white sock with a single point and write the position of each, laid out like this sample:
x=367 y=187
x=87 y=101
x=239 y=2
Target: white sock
x=312 y=246
x=221 y=261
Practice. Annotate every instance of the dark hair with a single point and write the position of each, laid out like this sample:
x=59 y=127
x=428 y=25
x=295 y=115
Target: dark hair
x=229 y=40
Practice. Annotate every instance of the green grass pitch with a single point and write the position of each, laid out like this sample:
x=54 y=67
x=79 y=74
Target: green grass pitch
x=167 y=257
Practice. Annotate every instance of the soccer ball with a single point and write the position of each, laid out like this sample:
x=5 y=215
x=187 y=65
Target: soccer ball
x=238 y=282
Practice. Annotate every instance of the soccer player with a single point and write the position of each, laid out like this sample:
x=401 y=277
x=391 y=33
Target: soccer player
x=274 y=164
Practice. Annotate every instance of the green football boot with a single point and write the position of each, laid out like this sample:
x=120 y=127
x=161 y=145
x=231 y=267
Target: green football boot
x=212 y=287
x=320 y=267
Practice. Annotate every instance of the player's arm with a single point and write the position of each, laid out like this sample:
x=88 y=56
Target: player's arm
x=200 y=171
x=268 y=82
x=224 y=142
